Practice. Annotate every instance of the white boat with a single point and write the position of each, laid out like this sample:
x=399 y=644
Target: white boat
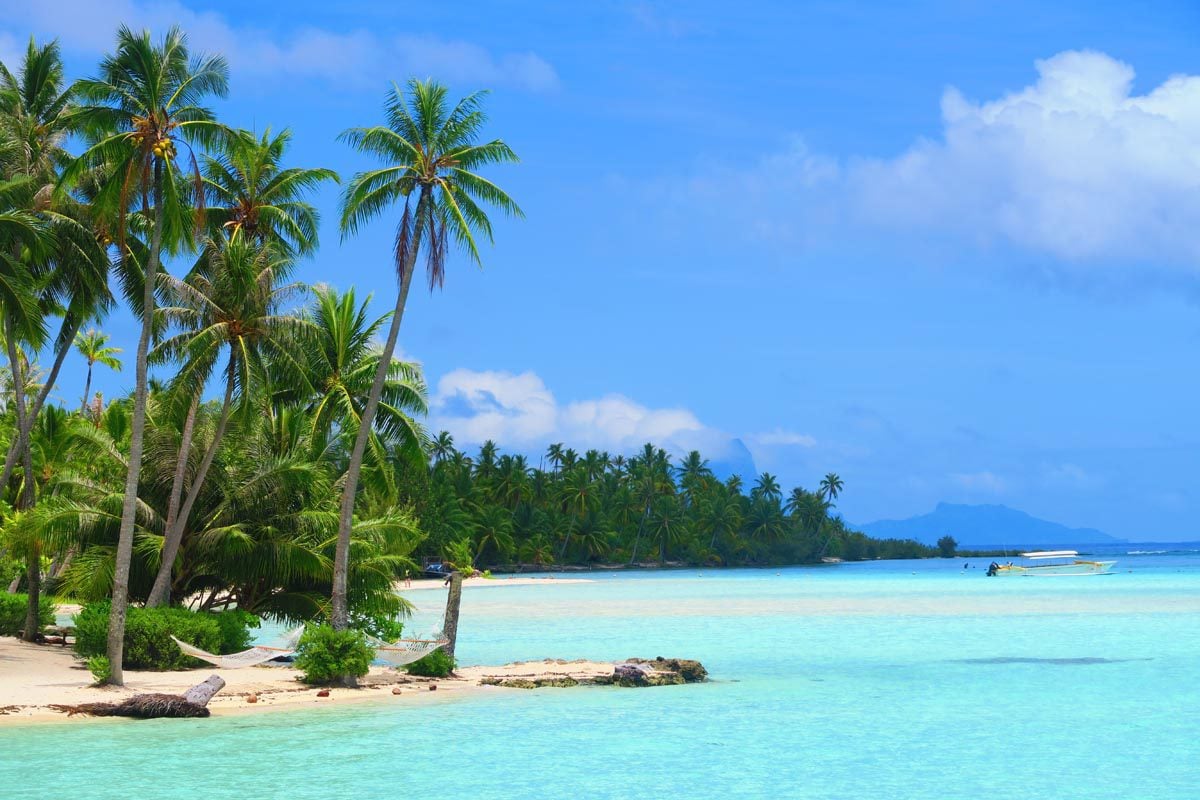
x=1059 y=563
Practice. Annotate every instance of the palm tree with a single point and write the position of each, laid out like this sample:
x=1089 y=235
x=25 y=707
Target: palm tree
x=93 y=346
x=767 y=486
x=144 y=104
x=493 y=531
x=443 y=446
x=431 y=152
x=721 y=515
x=669 y=523
x=234 y=310
x=554 y=454
x=250 y=191
x=579 y=496
x=765 y=521
x=49 y=257
x=831 y=486
x=652 y=475
x=340 y=362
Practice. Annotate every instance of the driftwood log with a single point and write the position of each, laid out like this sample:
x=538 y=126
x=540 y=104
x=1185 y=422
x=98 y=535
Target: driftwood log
x=193 y=703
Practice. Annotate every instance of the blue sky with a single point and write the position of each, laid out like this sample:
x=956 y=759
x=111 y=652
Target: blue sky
x=948 y=250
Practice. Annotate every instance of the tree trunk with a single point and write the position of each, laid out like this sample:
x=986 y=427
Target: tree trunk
x=181 y=461
x=87 y=390
x=26 y=498
x=160 y=594
x=453 y=602
x=33 y=570
x=637 y=539
x=340 y=611
x=66 y=335
x=17 y=370
x=120 y=594
x=33 y=561
x=201 y=693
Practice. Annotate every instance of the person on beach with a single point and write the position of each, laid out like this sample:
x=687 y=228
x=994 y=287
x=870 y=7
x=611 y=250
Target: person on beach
x=407 y=579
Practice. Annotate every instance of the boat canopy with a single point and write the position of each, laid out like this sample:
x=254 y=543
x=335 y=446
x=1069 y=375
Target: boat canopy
x=1051 y=554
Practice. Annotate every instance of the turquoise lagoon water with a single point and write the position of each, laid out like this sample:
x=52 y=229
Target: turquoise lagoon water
x=888 y=679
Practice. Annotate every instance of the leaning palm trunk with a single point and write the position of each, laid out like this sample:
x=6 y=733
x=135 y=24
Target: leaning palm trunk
x=21 y=442
x=26 y=497
x=160 y=594
x=340 y=612
x=87 y=390
x=638 y=539
x=120 y=593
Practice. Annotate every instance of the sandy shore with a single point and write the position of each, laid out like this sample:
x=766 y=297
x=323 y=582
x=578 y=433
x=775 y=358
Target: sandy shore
x=505 y=580
x=34 y=677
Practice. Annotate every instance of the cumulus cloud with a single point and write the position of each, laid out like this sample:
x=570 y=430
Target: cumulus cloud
x=518 y=410
x=353 y=58
x=1076 y=166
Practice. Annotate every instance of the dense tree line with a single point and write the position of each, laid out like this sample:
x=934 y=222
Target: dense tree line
x=497 y=510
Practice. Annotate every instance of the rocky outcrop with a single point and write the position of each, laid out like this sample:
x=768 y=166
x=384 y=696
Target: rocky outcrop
x=557 y=681
x=691 y=671
x=634 y=672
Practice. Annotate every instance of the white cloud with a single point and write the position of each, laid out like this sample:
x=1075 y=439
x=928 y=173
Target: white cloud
x=358 y=58
x=1076 y=166
x=988 y=482
x=781 y=438
x=518 y=410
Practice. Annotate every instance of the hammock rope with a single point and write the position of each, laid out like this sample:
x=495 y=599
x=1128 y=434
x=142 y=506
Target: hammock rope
x=259 y=654
x=406 y=651
x=396 y=654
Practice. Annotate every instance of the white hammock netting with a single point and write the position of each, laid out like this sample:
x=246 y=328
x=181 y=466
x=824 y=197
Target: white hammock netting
x=406 y=651
x=397 y=654
x=260 y=654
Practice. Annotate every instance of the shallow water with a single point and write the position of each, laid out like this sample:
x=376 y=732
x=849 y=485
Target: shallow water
x=890 y=679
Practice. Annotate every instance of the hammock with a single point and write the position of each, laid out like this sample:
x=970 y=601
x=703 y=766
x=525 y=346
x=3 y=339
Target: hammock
x=260 y=654
x=406 y=651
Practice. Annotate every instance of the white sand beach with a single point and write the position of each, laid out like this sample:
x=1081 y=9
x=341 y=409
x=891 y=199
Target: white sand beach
x=493 y=582
x=35 y=677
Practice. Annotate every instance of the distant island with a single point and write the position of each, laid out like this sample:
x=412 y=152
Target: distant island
x=984 y=526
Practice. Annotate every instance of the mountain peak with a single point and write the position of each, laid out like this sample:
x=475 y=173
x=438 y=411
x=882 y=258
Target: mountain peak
x=984 y=525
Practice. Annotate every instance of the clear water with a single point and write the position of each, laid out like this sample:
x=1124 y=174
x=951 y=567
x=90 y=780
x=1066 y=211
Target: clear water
x=896 y=680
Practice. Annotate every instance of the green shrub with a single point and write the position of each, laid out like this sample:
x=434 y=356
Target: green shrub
x=325 y=655
x=148 y=633
x=437 y=664
x=100 y=668
x=383 y=626
x=234 y=627
x=12 y=613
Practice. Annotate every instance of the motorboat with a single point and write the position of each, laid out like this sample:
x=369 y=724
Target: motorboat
x=1051 y=563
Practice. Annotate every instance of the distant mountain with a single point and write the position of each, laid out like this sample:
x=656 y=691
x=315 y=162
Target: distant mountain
x=734 y=460
x=985 y=525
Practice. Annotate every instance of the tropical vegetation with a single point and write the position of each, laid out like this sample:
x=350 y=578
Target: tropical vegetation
x=271 y=457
